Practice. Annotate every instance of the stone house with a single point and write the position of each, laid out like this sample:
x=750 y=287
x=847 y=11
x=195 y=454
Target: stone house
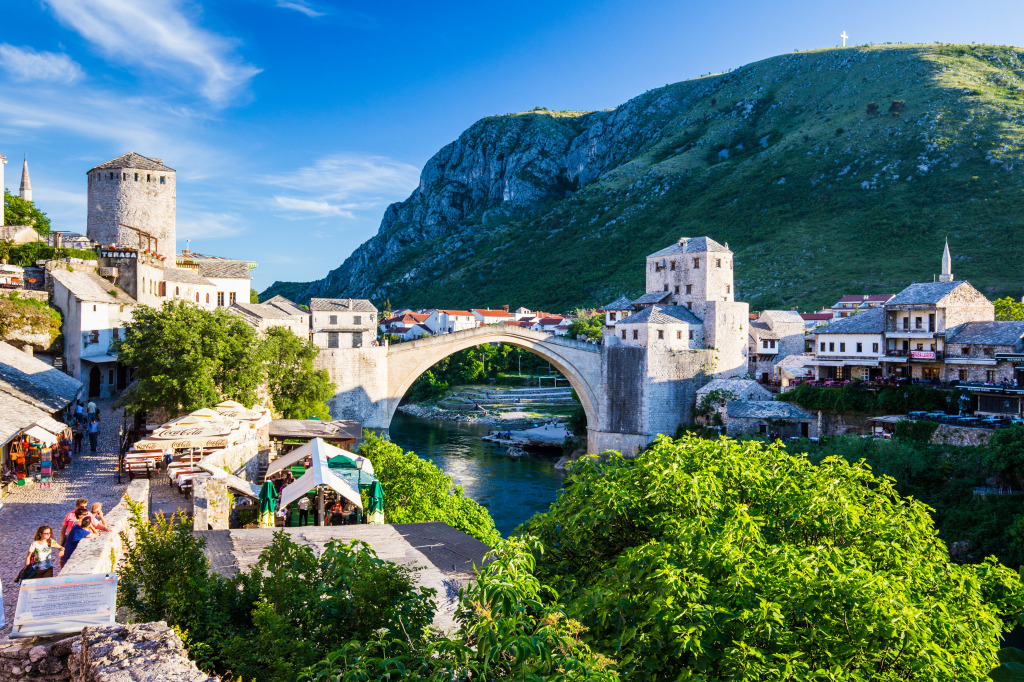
x=619 y=309
x=850 y=347
x=342 y=322
x=722 y=391
x=231 y=281
x=977 y=352
x=94 y=311
x=773 y=336
x=851 y=305
x=775 y=418
x=671 y=327
x=275 y=312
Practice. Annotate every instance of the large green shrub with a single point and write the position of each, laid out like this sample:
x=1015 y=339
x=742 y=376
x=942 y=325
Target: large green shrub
x=726 y=560
x=854 y=397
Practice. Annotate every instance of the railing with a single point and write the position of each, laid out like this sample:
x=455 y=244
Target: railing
x=930 y=355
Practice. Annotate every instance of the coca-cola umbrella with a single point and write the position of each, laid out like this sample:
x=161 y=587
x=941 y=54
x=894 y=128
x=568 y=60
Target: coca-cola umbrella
x=193 y=432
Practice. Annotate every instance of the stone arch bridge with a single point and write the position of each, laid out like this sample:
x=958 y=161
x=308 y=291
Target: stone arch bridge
x=610 y=380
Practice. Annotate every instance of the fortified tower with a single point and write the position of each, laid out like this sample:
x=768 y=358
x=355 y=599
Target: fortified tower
x=132 y=203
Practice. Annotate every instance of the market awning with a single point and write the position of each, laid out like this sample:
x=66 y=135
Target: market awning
x=318 y=474
x=100 y=359
x=329 y=451
x=52 y=425
x=40 y=434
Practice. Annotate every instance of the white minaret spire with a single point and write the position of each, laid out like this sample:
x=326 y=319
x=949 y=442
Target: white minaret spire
x=26 y=184
x=947 y=265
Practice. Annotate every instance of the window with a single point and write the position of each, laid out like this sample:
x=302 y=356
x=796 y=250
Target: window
x=197 y=297
x=94 y=336
x=110 y=377
x=358 y=319
x=906 y=322
x=94 y=308
x=874 y=348
x=332 y=339
x=672 y=265
x=623 y=334
x=930 y=373
x=966 y=350
x=636 y=334
x=842 y=347
x=718 y=262
x=677 y=288
x=679 y=335
x=334 y=319
x=771 y=343
x=148 y=178
x=161 y=179
x=177 y=291
x=931 y=322
x=112 y=176
x=661 y=334
x=611 y=317
x=124 y=176
x=860 y=347
x=917 y=322
x=696 y=263
x=207 y=298
x=136 y=177
x=689 y=288
x=728 y=288
x=232 y=297
x=163 y=289
x=689 y=304
x=117 y=332
x=823 y=347
x=691 y=335
x=220 y=299
x=764 y=343
x=990 y=376
x=831 y=347
x=963 y=375
x=920 y=346
x=987 y=351
x=666 y=287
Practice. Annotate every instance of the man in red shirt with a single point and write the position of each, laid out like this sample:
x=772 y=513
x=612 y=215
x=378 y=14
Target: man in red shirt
x=70 y=519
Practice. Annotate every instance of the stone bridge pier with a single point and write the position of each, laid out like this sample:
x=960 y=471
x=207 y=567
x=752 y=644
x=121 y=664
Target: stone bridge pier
x=616 y=385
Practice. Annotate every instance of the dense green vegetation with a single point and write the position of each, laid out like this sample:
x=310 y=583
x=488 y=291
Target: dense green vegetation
x=416 y=491
x=187 y=358
x=1009 y=309
x=27 y=255
x=477 y=365
x=784 y=159
x=853 y=397
x=18 y=211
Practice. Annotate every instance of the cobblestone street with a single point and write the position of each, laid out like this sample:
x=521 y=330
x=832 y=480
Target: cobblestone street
x=92 y=475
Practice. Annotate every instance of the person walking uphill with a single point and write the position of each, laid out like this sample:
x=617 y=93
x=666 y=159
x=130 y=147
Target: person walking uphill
x=94 y=433
x=41 y=553
x=78 y=435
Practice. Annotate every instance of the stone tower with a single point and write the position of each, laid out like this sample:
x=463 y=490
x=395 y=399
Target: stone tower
x=947 y=265
x=26 y=184
x=132 y=203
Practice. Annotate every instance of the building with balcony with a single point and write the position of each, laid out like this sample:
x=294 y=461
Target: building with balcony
x=985 y=352
x=772 y=337
x=850 y=347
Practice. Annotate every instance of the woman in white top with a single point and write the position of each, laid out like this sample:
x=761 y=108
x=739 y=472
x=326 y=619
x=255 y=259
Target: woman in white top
x=43 y=553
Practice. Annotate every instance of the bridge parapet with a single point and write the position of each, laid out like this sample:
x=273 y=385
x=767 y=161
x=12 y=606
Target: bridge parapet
x=528 y=335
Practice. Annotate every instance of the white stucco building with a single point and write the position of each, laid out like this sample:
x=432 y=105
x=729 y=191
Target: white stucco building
x=343 y=322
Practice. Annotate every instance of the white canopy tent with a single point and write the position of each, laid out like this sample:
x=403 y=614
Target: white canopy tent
x=330 y=451
x=317 y=477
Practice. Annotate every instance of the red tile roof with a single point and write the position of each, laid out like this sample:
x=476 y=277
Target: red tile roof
x=491 y=313
x=816 y=316
x=549 y=321
x=455 y=312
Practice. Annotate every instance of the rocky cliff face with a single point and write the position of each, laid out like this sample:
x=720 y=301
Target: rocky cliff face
x=820 y=169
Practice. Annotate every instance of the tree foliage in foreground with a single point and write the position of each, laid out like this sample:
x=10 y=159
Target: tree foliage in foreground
x=726 y=560
x=417 y=491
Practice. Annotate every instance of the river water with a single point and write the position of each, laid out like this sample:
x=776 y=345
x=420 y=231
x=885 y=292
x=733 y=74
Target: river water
x=511 y=489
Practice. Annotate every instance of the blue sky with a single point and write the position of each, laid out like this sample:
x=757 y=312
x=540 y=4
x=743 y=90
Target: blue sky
x=293 y=123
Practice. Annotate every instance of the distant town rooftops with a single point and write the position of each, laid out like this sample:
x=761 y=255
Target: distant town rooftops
x=456 y=312
x=809 y=317
x=621 y=303
x=870 y=321
x=133 y=160
x=492 y=313
x=88 y=286
x=691 y=245
x=357 y=305
x=663 y=314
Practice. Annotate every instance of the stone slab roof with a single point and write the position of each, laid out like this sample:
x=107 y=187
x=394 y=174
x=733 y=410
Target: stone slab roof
x=12 y=231
x=690 y=245
x=283 y=304
x=88 y=286
x=186 y=276
x=652 y=297
x=783 y=316
x=133 y=160
x=344 y=305
x=314 y=428
x=999 y=333
x=261 y=311
x=441 y=557
x=34 y=381
x=621 y=303
x=662 y=314
x=924 y=292
x=762 y=330
x=224 y=270
x=735 y=386
x=870 y=321
x=764 y=409
x=16 y=415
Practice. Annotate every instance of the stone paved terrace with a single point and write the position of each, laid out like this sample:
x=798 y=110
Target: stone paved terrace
x=91 y=475
x=442 y=556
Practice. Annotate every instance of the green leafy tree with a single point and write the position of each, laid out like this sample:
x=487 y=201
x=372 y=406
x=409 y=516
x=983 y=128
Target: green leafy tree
x=590 y=327
x=1008 y=309
x=18 y=211
x=297 y=389
x=1005 y=454
x=726 y=560
x=416 y=491
x=188 y=358
x=254 y=296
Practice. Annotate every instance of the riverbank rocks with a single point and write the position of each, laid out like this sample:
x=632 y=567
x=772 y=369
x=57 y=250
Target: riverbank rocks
x=475 y=417
x=146 y=652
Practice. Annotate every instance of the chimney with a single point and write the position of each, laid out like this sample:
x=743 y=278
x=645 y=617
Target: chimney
x=505 y=307
x=793 y=308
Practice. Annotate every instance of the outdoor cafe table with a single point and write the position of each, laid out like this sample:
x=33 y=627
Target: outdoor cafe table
x=917 y=413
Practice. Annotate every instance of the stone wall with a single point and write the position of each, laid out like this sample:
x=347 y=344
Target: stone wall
x=102 y=554
x=360 y=376
x=147 y=206
x=146 y=652
x=947 y=434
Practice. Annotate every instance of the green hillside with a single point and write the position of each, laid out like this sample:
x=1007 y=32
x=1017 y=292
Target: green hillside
x=828 y=172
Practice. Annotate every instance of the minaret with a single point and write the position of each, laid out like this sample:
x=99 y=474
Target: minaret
x=26 y=184
x=947 y=265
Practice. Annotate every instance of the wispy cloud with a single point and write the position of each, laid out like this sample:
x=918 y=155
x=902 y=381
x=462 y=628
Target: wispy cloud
x=301 y=6
x=340 y=184
x=158 y=35
x=206 y=225
x=26 y=64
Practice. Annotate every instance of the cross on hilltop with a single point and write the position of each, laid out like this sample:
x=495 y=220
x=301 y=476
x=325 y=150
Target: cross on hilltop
x=844 y=37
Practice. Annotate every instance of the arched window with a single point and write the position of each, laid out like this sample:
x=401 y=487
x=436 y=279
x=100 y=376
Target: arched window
x=197 y=297
x=176 y=291
x=207 y=298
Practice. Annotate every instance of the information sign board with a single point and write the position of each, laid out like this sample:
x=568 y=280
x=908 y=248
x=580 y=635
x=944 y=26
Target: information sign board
x=65 y=604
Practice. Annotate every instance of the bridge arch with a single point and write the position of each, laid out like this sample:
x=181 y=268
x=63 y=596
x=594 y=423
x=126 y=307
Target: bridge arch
x=578 y=361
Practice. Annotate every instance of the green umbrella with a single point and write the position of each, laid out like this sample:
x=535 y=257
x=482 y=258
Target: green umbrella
x=375 y=508
x=268 y=501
